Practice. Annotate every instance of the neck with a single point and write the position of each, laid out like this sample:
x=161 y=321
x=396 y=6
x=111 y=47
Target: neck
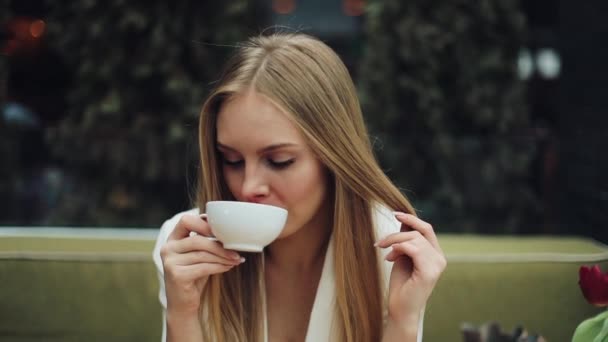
x=304 y=250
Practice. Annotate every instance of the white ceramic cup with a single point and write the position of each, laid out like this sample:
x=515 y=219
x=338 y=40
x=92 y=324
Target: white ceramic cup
x=244 y=226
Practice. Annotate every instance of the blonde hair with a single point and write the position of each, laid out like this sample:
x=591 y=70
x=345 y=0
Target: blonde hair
x=308 y=81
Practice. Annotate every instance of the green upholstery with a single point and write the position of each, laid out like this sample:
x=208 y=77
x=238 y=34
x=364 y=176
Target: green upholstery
x=85 y=289
x=532 y=281
x=78 y=290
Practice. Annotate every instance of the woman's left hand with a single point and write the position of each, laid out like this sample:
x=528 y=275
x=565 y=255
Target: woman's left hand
x=418 y=264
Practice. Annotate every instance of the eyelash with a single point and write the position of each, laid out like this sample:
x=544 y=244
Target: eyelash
x=275 y=165
x=280 y=165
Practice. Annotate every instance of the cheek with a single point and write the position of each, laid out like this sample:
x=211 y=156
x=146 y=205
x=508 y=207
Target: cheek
x=303 y=189
x=233 y=181
x=303 y=196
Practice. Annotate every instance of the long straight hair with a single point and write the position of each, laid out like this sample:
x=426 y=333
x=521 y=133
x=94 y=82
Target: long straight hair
x=309 y=82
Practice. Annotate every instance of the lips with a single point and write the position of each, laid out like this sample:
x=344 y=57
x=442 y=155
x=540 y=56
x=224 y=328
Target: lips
x=594 y=285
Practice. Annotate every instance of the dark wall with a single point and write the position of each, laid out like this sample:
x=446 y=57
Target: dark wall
x=583 y=119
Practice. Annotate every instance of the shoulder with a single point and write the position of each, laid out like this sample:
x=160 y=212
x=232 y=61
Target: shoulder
x=385 y=222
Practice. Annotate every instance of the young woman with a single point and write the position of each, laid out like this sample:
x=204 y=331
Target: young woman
x=284 y=127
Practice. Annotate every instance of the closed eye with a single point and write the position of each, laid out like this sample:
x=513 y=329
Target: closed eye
x=232 y=163
x=279 y=165
x=274 y=164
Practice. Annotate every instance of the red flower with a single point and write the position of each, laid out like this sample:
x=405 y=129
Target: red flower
x=594 y=285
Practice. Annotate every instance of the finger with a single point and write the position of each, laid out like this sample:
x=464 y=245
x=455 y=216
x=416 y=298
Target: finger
x=411 y=249
x=210 y=236
x=424 y=257
x=197 y=257
x=392 y=255
x=201 y=243
x=202 y=270
x=413 y=222
x=187 y=224
x=417 y=245
x=197 y=271
x=397 y=238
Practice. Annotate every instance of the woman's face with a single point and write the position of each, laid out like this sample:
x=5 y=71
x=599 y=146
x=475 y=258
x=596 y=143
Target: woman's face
x=266 y=160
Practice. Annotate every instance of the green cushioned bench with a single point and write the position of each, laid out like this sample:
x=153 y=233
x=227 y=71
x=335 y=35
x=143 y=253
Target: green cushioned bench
x=78 y=289
x=103 y=287
x=531 y=281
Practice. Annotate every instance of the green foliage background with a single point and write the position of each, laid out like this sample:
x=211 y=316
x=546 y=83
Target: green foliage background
x=437 y=81
x=141 y=74
x=439 y=85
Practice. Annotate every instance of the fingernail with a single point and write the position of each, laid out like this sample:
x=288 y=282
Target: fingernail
x=242 y=260
x=398 y=213
x=235 y=256
x=377 y=243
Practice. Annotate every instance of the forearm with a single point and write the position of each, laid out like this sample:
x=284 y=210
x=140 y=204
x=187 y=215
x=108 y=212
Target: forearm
x=183 y=328
x=401 y=331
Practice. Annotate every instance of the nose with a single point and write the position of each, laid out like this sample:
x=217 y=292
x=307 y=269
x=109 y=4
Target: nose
x=255 y=187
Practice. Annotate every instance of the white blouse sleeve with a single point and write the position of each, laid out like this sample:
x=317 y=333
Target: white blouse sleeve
x=386 y=224
x=163 y=235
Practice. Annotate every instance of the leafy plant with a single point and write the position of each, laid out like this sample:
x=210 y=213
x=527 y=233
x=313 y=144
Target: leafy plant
x=439 y=88
x=140 y=73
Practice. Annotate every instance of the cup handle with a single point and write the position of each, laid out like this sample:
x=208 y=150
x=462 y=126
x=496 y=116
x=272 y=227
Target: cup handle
x=203 y=216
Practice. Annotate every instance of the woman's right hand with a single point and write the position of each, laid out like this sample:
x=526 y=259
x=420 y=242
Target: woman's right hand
x=188 y=260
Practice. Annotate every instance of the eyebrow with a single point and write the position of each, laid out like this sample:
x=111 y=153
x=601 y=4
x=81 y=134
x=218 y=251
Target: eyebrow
x=263 y=150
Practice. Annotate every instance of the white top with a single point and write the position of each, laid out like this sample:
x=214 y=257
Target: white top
x=319 y=326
